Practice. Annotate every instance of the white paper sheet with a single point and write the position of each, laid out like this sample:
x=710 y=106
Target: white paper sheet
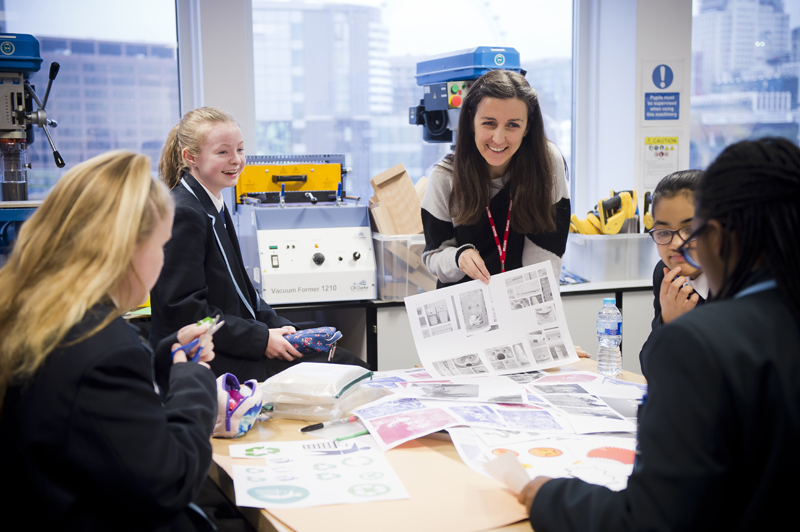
x=515 y=324
x=395 y=420
x=603 y=460
x=587 y=412
x=485 y=389
x=310 y=473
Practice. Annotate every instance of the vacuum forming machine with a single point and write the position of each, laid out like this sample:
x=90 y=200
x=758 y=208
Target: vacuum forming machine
x=304 y=251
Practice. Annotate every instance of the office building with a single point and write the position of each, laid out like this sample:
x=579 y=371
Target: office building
x=107 y=96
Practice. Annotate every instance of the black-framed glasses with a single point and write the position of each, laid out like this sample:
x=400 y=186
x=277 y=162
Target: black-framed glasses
x=662 y=237
x=689 y=247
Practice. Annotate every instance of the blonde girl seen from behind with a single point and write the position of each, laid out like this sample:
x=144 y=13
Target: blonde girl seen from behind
x=74 y=252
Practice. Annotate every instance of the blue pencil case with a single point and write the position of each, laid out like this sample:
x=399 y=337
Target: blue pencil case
x=310 y=341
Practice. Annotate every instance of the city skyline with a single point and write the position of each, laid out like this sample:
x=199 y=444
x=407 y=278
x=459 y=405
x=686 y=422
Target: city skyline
x=327 y=82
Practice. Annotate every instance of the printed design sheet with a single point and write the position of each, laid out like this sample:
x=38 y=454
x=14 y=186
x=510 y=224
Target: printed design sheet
x=488 y=389
x=306 y=473
x=591 y=402
x=396 y=420
x=515 y=324
x=603 y=460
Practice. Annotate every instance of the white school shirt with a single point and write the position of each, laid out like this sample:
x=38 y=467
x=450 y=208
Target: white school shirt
x=218 y=202
x=700 y=285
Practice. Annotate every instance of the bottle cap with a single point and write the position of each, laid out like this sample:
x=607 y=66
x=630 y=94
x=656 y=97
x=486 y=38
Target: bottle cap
x=609 y=300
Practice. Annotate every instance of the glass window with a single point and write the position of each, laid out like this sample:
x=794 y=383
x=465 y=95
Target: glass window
x=134 y=50
x=78 y=47
x=745 y=70
x=110 y=49
x=339 y=77
x=99 y=51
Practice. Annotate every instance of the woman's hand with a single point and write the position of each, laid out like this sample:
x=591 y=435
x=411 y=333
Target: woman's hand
x=279 y=347
x=675 y=296
x=528 y=493
x=581 y=352
x=186 y=335
x=471 y=263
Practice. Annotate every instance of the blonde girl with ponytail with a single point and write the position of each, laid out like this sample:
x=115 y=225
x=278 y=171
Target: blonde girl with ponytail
x=204 y=274
x=92 y=420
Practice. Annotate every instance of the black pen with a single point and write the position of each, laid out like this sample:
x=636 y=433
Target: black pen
x=329 y=424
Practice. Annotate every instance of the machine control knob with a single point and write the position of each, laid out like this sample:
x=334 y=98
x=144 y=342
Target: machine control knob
x=356 y=255
x=318 y=258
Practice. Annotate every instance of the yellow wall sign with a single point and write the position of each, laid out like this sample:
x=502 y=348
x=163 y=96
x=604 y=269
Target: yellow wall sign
x=660 y=140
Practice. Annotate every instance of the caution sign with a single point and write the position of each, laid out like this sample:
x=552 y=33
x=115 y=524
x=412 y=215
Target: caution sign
x=660 y=158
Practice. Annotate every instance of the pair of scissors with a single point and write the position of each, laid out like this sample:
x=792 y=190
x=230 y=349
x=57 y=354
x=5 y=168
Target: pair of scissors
x=213 y=326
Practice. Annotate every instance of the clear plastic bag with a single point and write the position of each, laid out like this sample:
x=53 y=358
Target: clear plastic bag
x=312 y=383
x=342 y=407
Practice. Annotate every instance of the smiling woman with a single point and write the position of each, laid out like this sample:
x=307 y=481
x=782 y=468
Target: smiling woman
x=505 y=180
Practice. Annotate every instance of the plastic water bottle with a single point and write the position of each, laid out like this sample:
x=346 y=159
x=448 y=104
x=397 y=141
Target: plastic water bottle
x=609 y=336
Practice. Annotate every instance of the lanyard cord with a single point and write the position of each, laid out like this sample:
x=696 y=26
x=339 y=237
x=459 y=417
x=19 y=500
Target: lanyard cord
x=501 y=249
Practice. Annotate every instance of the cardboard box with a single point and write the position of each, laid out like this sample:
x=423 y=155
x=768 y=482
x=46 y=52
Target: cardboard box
x=399 y=200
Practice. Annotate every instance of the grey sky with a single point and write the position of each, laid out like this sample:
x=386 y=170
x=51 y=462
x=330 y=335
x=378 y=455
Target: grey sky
x=151 y=21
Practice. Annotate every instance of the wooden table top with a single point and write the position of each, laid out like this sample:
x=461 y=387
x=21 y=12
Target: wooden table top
x=288 y=430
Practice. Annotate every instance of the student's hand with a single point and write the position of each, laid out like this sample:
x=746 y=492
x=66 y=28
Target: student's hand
x=581 y=352
x=528 y=493
x=471 y=263
x=279 y=347
x=674 y=296
x=186 y=335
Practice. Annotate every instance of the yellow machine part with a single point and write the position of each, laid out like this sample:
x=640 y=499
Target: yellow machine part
x=597 y=223
x=263 y=178
x=611 y=225
x=648 y=220
x=585 y=226
x=631 y=192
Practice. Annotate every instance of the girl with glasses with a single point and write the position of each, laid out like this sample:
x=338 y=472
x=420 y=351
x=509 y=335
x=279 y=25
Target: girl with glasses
x=678 y=287
x=720 y=428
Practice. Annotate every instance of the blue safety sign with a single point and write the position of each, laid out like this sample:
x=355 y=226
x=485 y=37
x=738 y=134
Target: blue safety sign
x=662 y=76
x=662 y=105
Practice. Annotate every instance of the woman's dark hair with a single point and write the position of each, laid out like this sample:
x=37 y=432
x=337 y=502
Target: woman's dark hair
x=753 y=189
x=532 y=181
x=683 y=183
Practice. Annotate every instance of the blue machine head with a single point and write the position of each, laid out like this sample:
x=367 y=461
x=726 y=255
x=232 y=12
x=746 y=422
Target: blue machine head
x=19 y=59
x=446 y=80
x=19 y=53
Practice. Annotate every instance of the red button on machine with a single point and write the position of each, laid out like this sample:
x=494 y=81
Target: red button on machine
x=455 y=101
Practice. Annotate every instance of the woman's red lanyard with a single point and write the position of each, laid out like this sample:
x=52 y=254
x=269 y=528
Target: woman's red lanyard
x=501 y=249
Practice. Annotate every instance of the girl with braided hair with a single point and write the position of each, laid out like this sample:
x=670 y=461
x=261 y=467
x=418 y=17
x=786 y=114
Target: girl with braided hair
x=720 y=427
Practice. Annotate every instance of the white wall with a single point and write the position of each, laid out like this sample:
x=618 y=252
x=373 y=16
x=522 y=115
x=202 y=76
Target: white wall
x=663 y=36
x=604 y=113
x=215 y=46
x=613 y=38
